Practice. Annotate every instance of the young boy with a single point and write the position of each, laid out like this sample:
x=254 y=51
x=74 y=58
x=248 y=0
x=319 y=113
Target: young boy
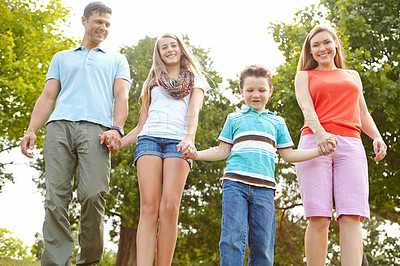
x=250 y=138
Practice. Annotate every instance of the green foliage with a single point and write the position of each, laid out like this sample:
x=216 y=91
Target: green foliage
x=109 y=258
x=29 y=37
x=200 y=216
x=37 y=248
x=123 y=201
x=11 y=247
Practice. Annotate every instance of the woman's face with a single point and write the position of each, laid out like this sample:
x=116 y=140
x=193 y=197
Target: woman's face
x=323 y=50
x=170 y=51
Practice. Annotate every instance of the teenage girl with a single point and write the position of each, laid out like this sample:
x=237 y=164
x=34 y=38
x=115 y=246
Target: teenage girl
x=332 y=102
x=172 y=97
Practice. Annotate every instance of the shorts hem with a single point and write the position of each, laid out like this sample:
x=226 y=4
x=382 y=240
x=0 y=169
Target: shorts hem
x=170 y=155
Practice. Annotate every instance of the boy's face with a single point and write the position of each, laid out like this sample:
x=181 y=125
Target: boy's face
x=256 y=92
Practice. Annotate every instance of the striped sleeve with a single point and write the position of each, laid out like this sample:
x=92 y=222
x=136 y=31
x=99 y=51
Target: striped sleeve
x=227 y=132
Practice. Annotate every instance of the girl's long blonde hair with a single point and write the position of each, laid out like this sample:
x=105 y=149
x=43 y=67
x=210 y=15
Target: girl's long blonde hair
x=307 y=62
x=158 y=68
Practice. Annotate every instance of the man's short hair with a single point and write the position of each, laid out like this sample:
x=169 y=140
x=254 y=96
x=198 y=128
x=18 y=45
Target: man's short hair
x=98 y=7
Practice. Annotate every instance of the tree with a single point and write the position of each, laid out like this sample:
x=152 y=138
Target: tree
x=11 y=247
x=38 y=246
x=29 y=36
x=369 y=32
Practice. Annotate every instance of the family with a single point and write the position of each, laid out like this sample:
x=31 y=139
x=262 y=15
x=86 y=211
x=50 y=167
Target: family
x=84 y=104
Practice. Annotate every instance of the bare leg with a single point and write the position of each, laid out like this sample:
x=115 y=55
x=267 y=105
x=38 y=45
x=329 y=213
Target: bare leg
x=175 y=174
x=150 y=176
x=316 y=240
x=351 y=247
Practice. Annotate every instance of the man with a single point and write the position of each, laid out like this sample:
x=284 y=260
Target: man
x=91 y=88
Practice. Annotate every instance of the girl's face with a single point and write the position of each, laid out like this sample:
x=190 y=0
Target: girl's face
x=323 y=50
x=170 y=51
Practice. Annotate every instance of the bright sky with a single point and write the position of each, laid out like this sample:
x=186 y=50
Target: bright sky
x=235 y=32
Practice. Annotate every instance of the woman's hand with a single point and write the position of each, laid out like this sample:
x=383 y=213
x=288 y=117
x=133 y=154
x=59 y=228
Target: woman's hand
x=379 y=149
x=326 y=143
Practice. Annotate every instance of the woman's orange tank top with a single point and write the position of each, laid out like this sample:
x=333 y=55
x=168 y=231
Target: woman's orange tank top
x=336 y=97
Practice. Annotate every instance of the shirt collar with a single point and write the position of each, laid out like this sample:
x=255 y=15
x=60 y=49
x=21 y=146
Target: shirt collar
x=96 y=49
x=248 y=109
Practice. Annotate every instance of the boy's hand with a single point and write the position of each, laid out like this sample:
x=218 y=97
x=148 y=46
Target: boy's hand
x=333 y=141
x=188 y=149
x=190 y=155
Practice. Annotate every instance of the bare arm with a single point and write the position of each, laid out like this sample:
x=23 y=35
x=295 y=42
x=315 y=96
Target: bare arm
x=192 y=116
x=121 y=93
x=307 y=107
x=40 y=114
x=295 y=156
x=368 y=125
x=217 y=153
x=131 y=137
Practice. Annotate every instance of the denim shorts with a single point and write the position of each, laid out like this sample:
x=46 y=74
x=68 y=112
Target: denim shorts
x=161 y=147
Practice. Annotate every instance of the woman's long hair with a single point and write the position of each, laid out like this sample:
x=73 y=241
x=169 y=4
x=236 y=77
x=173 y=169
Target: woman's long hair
x=158 y=68
x=307 y=62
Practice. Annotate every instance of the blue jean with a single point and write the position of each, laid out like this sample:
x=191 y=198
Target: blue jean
x=248 y=214
x=161 y=147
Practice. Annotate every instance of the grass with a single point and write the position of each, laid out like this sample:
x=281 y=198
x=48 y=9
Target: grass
x=11 y=262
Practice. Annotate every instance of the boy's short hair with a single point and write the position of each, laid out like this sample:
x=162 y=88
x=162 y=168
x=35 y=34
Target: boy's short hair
x=98 y=7
x=255 y=71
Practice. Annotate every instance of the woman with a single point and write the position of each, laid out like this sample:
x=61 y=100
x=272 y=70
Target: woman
x=332 y=103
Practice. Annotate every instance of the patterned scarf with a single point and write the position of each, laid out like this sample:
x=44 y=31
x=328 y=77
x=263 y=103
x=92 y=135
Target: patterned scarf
x=177 y=88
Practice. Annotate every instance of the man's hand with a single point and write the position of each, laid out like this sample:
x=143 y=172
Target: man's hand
x=112 y=139
x=28 y=142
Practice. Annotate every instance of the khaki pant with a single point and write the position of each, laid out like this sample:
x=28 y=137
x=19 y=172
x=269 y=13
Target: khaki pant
x=74 y=147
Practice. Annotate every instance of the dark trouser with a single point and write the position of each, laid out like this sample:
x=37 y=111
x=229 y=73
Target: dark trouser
x=74 y=147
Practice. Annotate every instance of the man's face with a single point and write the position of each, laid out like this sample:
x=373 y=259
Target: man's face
x=97 y=27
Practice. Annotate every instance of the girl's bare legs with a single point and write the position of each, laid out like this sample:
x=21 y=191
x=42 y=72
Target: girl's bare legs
x=351 y=247
x=175 y=172
x=316 y=240
x=149 y=170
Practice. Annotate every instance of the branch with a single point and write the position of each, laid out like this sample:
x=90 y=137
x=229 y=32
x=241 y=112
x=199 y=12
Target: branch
x=284 y=209
x=9 y=148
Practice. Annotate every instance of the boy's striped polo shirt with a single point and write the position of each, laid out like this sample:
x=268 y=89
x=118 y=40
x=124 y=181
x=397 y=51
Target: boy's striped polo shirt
x=255 y=138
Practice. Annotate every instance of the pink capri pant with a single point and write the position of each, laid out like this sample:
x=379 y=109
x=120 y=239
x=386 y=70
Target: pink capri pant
x=340 y=178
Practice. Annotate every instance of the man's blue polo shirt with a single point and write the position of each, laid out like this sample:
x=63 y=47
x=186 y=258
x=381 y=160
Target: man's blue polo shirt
x=87 y=81
x=255 y=138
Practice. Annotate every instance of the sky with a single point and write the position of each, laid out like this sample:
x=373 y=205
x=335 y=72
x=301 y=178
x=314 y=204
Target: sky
x=236 y=32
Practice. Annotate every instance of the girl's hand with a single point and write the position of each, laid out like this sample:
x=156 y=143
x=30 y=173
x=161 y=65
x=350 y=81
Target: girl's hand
x=190 y=155
x=379 y=149
x=187 y=148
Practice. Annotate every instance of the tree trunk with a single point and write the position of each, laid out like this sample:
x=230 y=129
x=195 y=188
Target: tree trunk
x=126 y=255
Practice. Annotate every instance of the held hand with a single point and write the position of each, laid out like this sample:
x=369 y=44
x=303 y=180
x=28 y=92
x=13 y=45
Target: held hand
x=112 y=139
x=190 y=155
x=333 y=141
x=326 y=143
x=187 y=148
x=28 y=142
x=379 y=149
